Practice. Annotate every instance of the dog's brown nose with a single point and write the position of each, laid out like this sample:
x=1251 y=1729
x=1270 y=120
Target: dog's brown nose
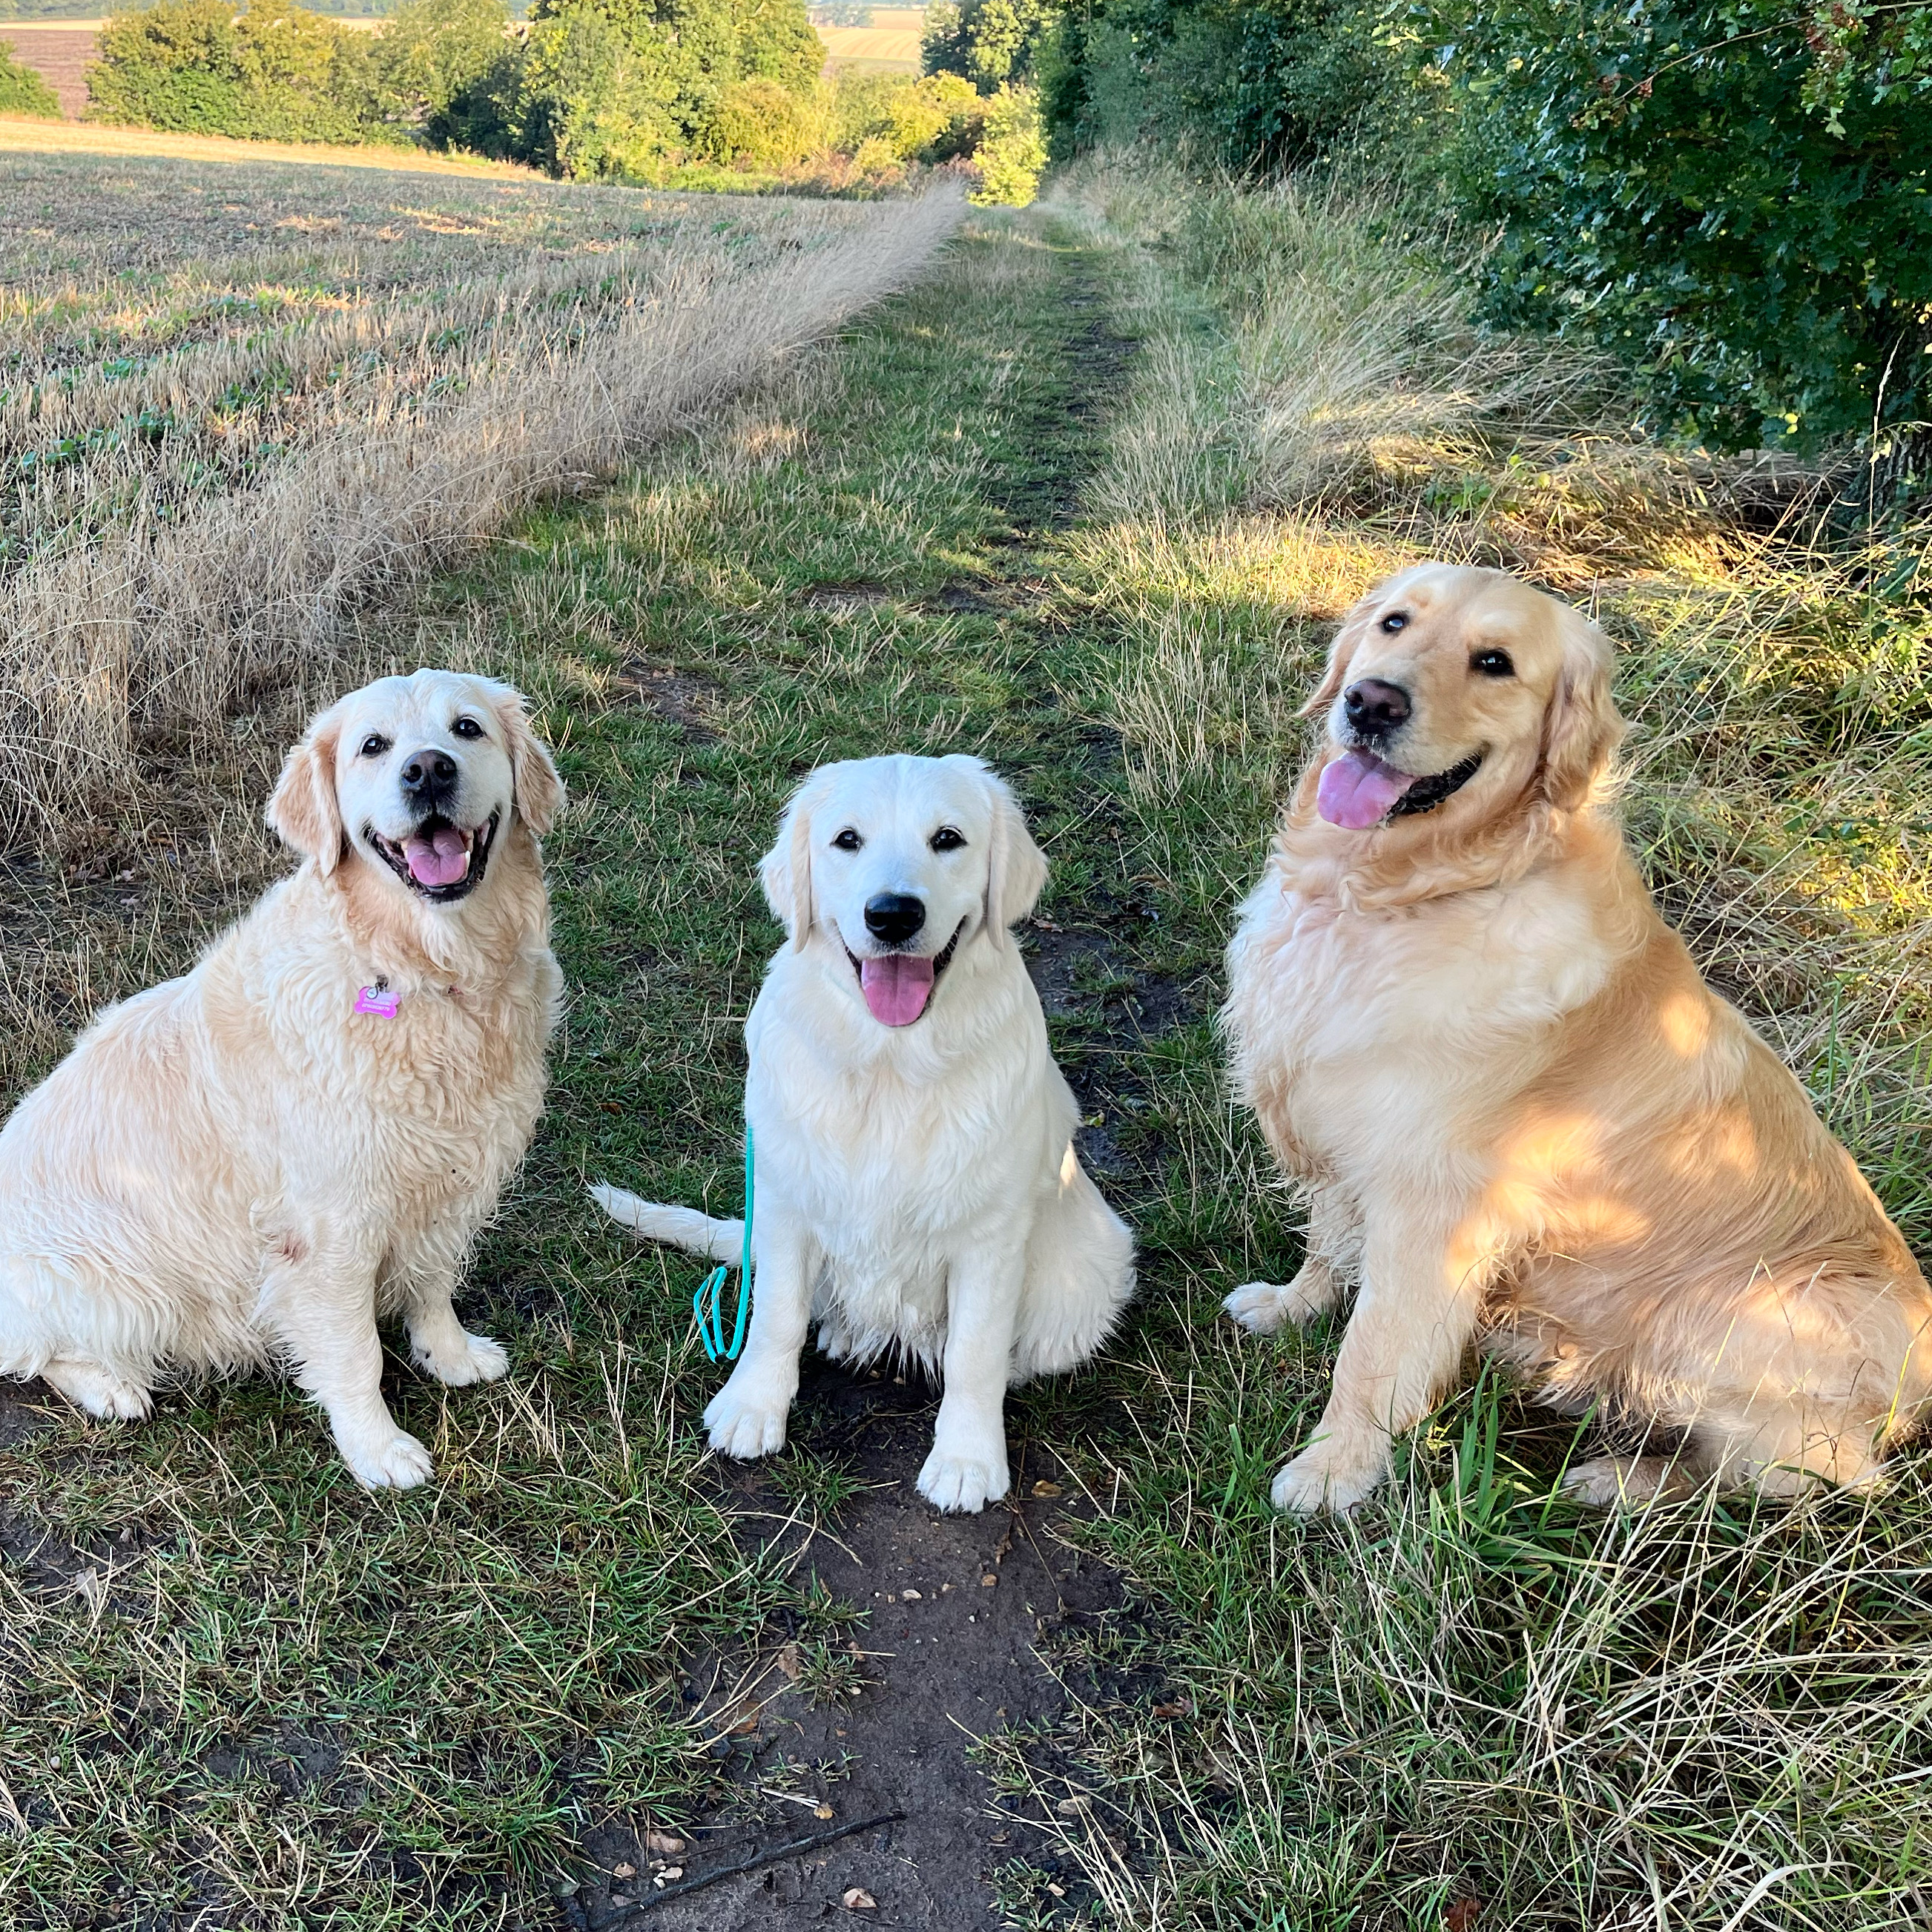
x=1375 y=707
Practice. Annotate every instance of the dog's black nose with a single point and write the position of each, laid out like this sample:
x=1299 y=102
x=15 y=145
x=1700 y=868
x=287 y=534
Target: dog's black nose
x=429 y=775
x=894 y=917
x=1375 y=708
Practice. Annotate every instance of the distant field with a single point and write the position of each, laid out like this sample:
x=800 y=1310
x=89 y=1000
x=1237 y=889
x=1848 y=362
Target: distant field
x=891 y=42
x=876 y=46
x=59 y=53
x=52 y=138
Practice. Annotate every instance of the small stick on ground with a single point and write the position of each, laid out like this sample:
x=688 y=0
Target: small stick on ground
x=791 y=1849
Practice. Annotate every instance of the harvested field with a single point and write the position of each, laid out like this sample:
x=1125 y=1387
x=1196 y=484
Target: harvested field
x=884 y=48
x=60 y=53
x=50 y=139
x=217 y=462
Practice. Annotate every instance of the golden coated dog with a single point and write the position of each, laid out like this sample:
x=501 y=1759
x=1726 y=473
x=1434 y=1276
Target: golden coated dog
x=1516 y=1109
x=248 y=1164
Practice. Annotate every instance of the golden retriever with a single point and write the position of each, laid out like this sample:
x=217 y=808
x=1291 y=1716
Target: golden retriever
x=918 y=1192
x=1515 y=1107
x=249 y=1164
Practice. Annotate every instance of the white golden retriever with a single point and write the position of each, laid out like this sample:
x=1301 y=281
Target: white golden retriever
x=249 y=1164
x=916 y=1187
x=1515 y=1105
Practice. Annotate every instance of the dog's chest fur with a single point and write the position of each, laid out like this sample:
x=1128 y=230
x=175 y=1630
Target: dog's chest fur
x=1346 y=1024
x=897 y=1165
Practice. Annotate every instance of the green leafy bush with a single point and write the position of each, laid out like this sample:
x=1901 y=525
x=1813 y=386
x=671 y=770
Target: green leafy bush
x=626 y=88
x=1243 y=84
x=758 y=124
x=1012 y=153
x=585 y=99
x=991 y=43
x=1735 y=197
x=440 y=68
x=197 y=67
x=935 y=118
x=23 y=91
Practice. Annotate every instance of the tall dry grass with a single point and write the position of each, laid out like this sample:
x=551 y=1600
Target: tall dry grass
x=211 y=517
x=1475 y=1704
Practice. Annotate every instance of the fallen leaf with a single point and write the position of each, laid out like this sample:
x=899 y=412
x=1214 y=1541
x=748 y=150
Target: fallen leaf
x=745 y=1726
x=624 y=1870
x=1462 y=1913
x=791 y=1662
x=664 y=1844
x=1180 y=1707
x=1072 y=1807
x=821 y=1811
x=989 y=1581
x=1044 y=1488
x=911 y=1596
x=858 y=1899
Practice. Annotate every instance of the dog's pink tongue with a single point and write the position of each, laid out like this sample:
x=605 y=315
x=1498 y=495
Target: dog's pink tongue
x=1357 y=788
x=896 y=988
x=440 y=859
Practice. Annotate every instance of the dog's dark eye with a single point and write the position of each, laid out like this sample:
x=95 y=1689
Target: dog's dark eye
x=467 y=727
x=947 y=838
x=848 y=841
x=1396 y=620
x=374 y=746
x=1493 y=664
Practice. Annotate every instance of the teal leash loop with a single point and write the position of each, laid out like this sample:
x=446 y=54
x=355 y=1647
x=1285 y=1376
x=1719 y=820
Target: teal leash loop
x=708 y=1303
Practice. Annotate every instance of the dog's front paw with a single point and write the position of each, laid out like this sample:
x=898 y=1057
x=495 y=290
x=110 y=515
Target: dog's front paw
x=1621 y=1482
x=99 y=1391
x=399 y=1463
x=747 y=1421
x=1336 y=1474
x=959 y=1484
x=475 y=1358
x=1262 y=1307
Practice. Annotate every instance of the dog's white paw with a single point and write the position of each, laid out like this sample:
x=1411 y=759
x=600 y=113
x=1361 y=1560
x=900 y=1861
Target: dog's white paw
x=961 y=1484
x=1263 y=1307
x=99 y=1392
x=475 y=1359
x=748 y=1421
x=399 y=1462
x=1337 y=1475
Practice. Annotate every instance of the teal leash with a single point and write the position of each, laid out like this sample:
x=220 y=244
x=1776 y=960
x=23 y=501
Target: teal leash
x=708 y=1303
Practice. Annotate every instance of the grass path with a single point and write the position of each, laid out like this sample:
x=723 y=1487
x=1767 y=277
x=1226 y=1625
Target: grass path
x=241 y=1692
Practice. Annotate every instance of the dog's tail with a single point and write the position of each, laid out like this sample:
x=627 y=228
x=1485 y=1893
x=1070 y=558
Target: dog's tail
x=683 y=1227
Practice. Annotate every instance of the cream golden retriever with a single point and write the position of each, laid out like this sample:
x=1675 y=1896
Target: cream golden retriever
x=917 y=1191
x=1514 y=1105
x=249 y=1164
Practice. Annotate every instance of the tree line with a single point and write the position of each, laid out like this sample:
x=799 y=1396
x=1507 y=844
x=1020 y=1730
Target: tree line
x=1732 y=196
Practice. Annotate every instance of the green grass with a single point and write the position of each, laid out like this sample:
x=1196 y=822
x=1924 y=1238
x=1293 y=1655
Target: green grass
x=314 y=1707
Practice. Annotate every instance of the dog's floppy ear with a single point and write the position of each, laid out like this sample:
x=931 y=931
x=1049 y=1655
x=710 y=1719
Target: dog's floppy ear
x=785 y=871
x=1015 y=866
x=302 y=807
x=535 y=787
x=1582 y=727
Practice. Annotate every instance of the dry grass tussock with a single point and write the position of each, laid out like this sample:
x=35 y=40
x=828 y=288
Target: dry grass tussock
x=268 y=445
